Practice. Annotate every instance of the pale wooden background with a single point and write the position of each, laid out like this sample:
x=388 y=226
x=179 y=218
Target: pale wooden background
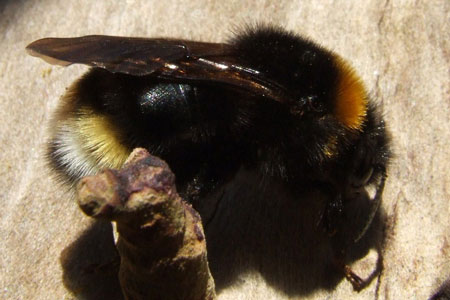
x=401 y=49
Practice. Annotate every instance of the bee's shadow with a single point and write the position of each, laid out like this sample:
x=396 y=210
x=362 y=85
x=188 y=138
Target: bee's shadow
x=281 y=239
x=284 y=240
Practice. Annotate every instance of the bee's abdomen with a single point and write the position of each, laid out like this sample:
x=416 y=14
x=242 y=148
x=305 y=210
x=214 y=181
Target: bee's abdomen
x=165 y=99
x=169 y=107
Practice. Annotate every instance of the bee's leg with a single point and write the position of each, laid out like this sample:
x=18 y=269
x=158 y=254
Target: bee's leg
x=200 y=185
x=205 y=190
x=375 y=204
x=333 y=224
x=333 y=214
x=333 y=220
x=357 y=282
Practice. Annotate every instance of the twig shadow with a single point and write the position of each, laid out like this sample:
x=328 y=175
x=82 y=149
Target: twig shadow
x=91 y=264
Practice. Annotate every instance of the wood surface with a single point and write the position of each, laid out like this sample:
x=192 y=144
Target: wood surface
x=401 y=49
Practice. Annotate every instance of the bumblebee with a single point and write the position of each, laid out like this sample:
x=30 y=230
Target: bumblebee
x=268 y=101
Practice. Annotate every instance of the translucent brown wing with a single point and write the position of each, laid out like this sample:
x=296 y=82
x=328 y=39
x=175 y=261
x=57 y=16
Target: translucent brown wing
x=134 y=56
x=185 y=61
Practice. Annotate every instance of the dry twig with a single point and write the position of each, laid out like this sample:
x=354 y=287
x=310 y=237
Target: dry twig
x=161 y=240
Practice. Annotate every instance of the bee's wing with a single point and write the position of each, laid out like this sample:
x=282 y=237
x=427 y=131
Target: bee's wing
x=134 y=56
x=186 y=61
